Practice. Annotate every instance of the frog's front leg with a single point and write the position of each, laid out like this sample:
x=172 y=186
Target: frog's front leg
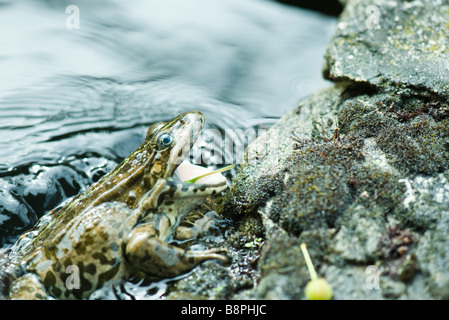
x=153 y=256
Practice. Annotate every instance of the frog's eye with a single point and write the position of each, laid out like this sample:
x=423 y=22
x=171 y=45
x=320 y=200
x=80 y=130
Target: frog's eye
x=164 y=140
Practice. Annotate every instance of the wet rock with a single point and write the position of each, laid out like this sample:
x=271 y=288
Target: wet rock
x=433 y=253
x=392 y=43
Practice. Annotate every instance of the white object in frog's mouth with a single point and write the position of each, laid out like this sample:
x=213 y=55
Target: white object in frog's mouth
x=187 y=171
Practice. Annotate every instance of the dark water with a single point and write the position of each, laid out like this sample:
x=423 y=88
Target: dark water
x=75 y=102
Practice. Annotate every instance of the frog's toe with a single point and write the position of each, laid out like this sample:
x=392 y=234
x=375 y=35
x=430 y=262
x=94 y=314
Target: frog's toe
x=221 y=254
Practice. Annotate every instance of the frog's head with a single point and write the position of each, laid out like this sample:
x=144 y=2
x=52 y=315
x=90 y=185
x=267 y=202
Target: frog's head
x=171 y=142
x=151 y=171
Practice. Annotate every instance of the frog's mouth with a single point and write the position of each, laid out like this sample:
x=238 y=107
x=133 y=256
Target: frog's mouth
x=210 y=184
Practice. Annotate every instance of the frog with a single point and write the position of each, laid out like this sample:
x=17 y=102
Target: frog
x=126 y=225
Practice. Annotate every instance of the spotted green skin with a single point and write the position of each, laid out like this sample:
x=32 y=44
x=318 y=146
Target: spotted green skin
x=121 y=226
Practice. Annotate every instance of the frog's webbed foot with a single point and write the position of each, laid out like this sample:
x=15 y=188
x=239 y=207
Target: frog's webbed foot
x=155 y=257
x=197 y=225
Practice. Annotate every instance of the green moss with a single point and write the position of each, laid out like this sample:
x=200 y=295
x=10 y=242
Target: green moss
x=241 y=201
x=326 y=177
x=319 y=177
x=414 y=134
x=420 y=146
x=248 y=230
x=382 y=188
